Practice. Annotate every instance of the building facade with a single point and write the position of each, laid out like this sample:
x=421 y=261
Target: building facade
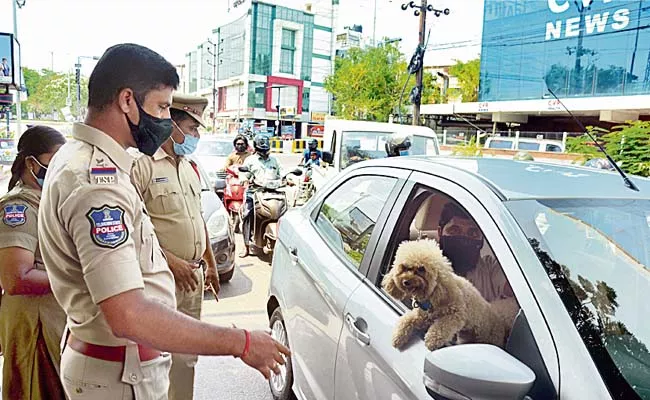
x=587 y=48
x=594 y=55
x=266 y=67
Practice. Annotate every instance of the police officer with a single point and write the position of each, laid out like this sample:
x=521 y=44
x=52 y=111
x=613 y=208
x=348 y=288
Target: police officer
x=171 y=188
x=31 y=321
x=241 y=152
x=104 y=261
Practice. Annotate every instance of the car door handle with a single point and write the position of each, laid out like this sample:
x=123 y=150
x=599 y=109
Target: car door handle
x=358 y=327
x=293 y=253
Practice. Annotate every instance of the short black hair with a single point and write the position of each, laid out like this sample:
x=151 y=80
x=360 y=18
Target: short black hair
x=129 y=66
x=179 y=116
x=449 y=211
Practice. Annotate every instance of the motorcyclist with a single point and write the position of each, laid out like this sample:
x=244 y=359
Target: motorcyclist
x=312 y=147
x=262 y=166
x=398 y=145
x=241 y=152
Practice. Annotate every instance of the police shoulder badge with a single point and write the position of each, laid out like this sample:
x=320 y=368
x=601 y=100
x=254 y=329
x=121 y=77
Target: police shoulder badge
x=107 y=227
x=14 y=215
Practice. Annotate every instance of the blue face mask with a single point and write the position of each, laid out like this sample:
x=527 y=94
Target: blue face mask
x=188 y=146
x=40 y=176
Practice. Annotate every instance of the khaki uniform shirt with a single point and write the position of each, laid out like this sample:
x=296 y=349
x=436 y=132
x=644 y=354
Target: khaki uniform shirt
x=172 y=195
x=97 y=240
x=236 y=158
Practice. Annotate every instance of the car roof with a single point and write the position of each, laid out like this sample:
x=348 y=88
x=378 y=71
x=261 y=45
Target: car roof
x=518 y=180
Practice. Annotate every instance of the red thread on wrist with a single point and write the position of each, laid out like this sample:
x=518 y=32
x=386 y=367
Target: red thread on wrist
x=247 y=346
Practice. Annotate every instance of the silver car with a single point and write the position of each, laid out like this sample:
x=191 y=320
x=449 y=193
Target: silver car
x=571 y=245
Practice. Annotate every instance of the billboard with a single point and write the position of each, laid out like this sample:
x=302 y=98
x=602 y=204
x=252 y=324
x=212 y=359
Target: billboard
x=6 y=59
x=582 y=48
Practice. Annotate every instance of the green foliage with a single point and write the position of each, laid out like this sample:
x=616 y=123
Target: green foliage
x=48 y=90
x=468 y=79
x=628 y=144
x=367 y=83
x=468 y=149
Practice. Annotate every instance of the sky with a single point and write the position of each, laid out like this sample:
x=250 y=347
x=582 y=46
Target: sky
x=55 y=32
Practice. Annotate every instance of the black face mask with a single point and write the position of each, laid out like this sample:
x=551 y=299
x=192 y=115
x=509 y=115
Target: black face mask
x=240 y=148
x=462 y=251
x=263 y=154
x=151 y=132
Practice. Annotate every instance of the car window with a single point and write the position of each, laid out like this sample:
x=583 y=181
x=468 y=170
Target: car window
x=553 y=148
x=430 y=213
x=500 y=144
x=423 y=146
x=348 y=215
x=530 y=146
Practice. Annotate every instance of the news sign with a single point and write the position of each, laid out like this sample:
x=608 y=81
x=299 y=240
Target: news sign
x=6 y=59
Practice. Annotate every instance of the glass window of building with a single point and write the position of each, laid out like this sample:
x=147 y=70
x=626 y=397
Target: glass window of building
x=577 y=51
x=288 y=50
x=193 y=75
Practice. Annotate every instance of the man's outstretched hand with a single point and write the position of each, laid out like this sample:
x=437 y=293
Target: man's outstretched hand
x=265 y=354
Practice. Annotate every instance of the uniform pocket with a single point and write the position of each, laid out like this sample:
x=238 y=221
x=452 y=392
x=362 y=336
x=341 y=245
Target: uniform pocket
x=165 y=199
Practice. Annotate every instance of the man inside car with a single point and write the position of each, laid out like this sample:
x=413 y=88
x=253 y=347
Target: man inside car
x=461 y=241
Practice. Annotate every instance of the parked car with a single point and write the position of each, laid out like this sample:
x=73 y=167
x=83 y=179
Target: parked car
x=222 y=237
x=572 y=243
x=525 y=144
x=212 y=152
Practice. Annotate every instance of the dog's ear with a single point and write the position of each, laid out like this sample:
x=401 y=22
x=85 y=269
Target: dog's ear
x=388 y=283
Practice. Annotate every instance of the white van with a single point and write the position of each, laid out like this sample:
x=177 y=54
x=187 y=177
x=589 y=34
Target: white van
x=355 y=141
x=524 y=144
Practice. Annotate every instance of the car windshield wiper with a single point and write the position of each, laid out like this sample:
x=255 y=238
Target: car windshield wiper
x=628 y=182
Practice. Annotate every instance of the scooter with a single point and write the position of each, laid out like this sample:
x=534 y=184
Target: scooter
x=269 y=204
x=305 y=187
x=233 y=196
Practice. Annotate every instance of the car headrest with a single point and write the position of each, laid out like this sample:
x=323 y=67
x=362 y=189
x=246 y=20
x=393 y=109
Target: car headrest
x=428 y=215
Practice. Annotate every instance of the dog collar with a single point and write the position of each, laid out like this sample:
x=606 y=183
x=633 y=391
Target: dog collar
x=424 y=306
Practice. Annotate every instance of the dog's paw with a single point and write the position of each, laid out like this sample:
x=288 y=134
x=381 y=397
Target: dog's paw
x=435 y=342
x=400 y=341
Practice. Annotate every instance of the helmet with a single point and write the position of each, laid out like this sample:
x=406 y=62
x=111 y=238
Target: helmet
x=240 y=137
x=523 y=156
x=398 y=145
x=312 y=144
x=262 y=144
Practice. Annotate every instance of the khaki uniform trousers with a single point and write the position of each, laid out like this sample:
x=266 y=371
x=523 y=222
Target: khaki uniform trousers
x=87 y=378
x=181 y=375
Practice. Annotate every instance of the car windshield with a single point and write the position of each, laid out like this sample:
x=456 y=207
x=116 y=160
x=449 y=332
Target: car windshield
x=216 y=148
x=362 y=146
x=597 y=254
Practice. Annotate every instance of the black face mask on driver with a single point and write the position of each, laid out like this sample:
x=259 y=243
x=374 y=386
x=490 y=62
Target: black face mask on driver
x=151 y=132
x=462 y=251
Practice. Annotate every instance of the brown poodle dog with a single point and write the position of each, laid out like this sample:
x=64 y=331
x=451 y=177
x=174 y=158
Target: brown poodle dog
x=445 y=303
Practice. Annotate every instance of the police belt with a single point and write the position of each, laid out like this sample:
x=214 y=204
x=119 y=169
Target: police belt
x=110 y=353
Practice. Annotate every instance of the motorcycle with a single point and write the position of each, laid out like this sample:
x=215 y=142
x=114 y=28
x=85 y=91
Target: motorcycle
x=233 y=196
x=269 y=204
x=305 y=187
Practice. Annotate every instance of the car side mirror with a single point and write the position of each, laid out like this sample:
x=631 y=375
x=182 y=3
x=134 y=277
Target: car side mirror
x=476 y=371
x=327 y=157
x=243 y=169
x=219 y=184
x=297 y=172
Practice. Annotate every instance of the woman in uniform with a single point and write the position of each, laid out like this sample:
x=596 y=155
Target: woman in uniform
x=31 y=321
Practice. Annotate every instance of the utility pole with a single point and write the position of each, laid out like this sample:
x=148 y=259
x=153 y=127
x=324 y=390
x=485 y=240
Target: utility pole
x=374 y=26
x=78 y=80
x=420 y=11
x=19 y=113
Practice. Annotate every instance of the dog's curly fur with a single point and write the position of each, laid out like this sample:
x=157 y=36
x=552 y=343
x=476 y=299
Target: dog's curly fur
x=422 y=273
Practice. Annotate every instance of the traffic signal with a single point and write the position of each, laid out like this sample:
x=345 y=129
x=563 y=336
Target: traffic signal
x=78 y=75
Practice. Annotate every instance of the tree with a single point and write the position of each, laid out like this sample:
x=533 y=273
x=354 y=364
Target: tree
x=367 y=83
x=48 y=90
x=628 y=144
x=468 y=74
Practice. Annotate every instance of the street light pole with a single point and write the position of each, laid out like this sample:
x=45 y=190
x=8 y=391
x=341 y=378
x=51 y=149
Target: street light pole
x=19 y=110
x=78 y=79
